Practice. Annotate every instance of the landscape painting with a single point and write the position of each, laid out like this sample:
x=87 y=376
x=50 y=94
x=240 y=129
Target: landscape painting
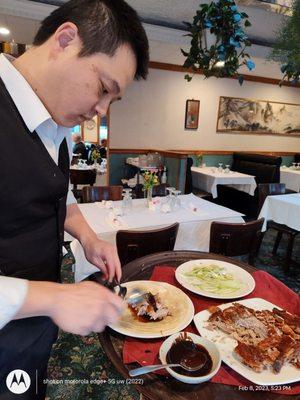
x=238 y=115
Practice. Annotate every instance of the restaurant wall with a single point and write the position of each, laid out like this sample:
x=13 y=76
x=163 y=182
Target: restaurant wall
x=151 y=114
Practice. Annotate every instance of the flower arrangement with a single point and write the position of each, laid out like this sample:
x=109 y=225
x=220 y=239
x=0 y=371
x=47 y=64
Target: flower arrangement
x=150 y=180
x=95 y=155
x=222 y=21
x=199 y=159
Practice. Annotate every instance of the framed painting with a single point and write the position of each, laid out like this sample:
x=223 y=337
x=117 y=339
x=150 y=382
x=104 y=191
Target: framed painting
x=90 y=130
x=238 y=115
x=192 y=114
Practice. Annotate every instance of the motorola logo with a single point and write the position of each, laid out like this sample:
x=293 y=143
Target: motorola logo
x=18 y=381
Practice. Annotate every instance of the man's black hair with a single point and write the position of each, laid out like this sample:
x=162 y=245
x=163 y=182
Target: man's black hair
x=103 y=25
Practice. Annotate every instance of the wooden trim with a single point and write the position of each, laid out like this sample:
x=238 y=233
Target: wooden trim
x=250 y=78
x=166 y=153
x=228 y=152
x=185 y=153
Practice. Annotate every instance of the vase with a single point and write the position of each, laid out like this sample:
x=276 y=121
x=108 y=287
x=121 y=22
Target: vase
x=149 y=195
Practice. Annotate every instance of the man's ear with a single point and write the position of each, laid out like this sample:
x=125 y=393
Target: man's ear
x=65 y=35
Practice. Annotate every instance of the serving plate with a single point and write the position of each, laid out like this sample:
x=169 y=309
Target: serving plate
x=179 y=304
x=226 y=345
x=246 y=279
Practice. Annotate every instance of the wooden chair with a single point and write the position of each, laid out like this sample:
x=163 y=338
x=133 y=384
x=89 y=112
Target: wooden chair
x=82 y=177
x=231 y=239
x=90 y=194
x=272 y=189
x=136 y=244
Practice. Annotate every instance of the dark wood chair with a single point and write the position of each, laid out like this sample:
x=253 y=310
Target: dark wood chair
x=231 y=239
x=157 y=190
x=272 y=189
x=90 y=194
x=136 y=244
x=82 y=177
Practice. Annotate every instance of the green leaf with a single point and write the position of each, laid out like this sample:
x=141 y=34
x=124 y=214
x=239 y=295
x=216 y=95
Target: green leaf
x=247 y=23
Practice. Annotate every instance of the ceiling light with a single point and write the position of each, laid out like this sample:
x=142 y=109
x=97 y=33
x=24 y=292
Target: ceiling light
x=220 y=64
x=4 y=31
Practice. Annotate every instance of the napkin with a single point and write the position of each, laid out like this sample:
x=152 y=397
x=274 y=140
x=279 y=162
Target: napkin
x=145 y=352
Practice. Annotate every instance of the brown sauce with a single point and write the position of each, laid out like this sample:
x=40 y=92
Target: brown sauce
x=192 y=354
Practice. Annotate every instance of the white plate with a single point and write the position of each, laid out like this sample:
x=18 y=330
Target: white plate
x=239 y=273
x=226 y=345
x=179 y=304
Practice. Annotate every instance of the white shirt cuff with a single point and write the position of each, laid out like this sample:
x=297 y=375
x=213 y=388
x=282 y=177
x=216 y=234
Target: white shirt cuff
x=70 y=197
x=12 y=295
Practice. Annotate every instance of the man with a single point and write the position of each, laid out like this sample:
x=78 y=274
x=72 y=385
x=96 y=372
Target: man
x=84 y=56
x=103 y=148
x=79 y=147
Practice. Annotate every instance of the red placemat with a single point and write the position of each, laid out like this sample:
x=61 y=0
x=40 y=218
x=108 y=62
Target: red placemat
x=145 y=351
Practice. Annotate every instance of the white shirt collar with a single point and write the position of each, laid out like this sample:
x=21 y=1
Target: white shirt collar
x=27 y=102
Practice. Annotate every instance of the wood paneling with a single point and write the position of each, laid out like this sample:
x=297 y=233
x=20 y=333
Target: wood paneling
x=250 y=78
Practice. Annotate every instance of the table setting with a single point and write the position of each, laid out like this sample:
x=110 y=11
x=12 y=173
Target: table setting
x=193 y=214
x=207 y=179
x=134 y=343
x=290 y=176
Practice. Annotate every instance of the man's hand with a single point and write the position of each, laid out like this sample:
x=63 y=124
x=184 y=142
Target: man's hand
x=86 y=307
x=78 y=308
x=104 y=256
x=98 y=252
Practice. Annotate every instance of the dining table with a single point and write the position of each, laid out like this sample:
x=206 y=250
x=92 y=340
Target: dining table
x=207 y=179
x=283 y=209
x=160 y=386
x=290 y=177
x=194 y=215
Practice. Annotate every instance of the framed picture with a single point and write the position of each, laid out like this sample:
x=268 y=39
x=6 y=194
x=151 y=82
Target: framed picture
x=90 y=130
x=192 y=114
x=237 y=115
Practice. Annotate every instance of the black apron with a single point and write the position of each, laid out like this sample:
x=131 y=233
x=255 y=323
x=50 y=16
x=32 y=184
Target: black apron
x=32 y=213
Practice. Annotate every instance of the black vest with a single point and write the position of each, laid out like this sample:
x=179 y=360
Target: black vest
x=33 y=193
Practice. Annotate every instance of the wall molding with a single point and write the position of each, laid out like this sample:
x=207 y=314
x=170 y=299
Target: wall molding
x=249 y=78
x=166 y=153
x=185 y=153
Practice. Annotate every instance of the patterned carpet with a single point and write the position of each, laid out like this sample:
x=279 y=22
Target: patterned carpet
x=79 y=363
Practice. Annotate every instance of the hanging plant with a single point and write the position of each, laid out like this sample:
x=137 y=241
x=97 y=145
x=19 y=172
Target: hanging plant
x=286 y=50
x=222 y=22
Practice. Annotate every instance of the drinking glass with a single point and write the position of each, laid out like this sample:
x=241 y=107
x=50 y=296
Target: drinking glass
x=294 y=165
x=127 y=200
x=220 y=169
x=177 y=201
x=227 y=169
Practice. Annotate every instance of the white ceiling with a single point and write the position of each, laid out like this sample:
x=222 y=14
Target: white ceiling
x=160 y=17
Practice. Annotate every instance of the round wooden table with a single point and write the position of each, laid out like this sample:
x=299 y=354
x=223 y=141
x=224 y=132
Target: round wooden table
x=156 y=387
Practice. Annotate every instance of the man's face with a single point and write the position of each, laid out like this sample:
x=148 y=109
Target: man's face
x=86 y=86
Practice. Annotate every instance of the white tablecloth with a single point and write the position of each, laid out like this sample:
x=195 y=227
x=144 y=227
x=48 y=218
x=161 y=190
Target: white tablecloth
x=291 y=178
x=193 y=233
x=283 y=209
x=206 y=179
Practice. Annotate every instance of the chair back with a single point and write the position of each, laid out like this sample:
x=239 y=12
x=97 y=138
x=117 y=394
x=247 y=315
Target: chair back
x=90 y=194
x=136 y=244
x=268 y=189
x=231 y=239
x=81 y=177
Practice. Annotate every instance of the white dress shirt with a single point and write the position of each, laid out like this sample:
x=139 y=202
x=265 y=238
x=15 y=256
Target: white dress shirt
x=34 y=114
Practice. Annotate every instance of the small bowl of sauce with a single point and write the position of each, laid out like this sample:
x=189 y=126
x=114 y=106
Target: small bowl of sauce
x=193 y=351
